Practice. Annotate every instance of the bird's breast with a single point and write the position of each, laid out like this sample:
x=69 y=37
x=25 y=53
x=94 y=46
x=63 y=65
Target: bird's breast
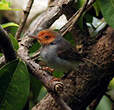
x=48 y=54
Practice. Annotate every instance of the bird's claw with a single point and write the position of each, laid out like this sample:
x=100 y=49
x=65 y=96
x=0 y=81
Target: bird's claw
x=58 y=85
x=48 y=69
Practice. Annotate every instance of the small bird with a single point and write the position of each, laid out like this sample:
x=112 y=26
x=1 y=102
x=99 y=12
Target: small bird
x=56 y=51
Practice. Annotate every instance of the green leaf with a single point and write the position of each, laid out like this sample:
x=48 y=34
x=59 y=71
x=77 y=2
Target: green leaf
x=107 y=9
x=9 y=24
x=4 y=5
x=111 y=84
x=105 y=104
x=80 y=3
x=42 y=93
x=89 y=18
x=14 y=86
x=35 y=87
x=1 y=54
x=97 y=8
x=34 y=48
x=6 y=73
x=14 y=42
x=69 y=37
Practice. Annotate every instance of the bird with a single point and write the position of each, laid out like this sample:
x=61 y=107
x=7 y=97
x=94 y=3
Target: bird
x=56 y=51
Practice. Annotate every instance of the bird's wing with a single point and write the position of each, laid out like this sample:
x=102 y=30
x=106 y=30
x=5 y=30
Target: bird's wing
x=66 y=51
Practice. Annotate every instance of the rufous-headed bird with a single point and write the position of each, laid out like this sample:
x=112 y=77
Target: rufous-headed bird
x=56 y=51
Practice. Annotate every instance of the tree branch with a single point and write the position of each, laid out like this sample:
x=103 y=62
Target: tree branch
x=73 y=19
x=22 y=24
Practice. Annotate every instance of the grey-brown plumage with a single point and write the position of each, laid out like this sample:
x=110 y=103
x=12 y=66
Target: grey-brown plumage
x=57 y=52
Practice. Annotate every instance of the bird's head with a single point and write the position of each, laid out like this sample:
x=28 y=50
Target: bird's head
x=46 y=37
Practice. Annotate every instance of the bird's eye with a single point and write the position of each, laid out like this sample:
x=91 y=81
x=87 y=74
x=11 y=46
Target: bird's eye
x=46 y=37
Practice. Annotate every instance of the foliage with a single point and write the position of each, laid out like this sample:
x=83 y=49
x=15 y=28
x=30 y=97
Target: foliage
x=15 y=81
x=14 y=42
x=105 y=104
x=107 y=9
x=9 y=24
x=4 y=5
x=14 y=85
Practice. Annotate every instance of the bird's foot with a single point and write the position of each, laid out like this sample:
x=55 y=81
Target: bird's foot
x=48 y=69
x=58 y=84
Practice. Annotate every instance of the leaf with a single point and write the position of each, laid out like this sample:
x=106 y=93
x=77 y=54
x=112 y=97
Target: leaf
x=34 y=48
x=107 y=9
x=97 y=8
x=69 y=37
x=89 y=18
x=4 y=5
x=42 y=93
x=14 y=86
x=80 y=3
x=105 y=104
x=5 y=76
x=9 y=24
x=14 y=42
x=58 y=74
x=35 y=87
x=111 y=84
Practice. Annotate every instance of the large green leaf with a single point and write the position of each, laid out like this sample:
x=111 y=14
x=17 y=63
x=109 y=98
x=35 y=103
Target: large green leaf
x=14 y=42
x=6 y=73
x=105 y=104
x=14 y=86
x=35 y=87
x=107 y=9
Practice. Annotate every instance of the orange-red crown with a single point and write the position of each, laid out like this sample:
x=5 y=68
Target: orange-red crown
x=46 y=36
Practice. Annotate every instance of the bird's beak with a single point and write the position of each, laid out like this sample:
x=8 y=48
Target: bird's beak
x=33 y=36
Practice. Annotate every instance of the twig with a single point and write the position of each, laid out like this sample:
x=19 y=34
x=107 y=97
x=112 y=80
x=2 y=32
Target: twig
x=6 y=46
x=90 y=5
x=26 y=13
x=73 y=20
x=36 y=55
x=2 y=61
x=68 y=26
